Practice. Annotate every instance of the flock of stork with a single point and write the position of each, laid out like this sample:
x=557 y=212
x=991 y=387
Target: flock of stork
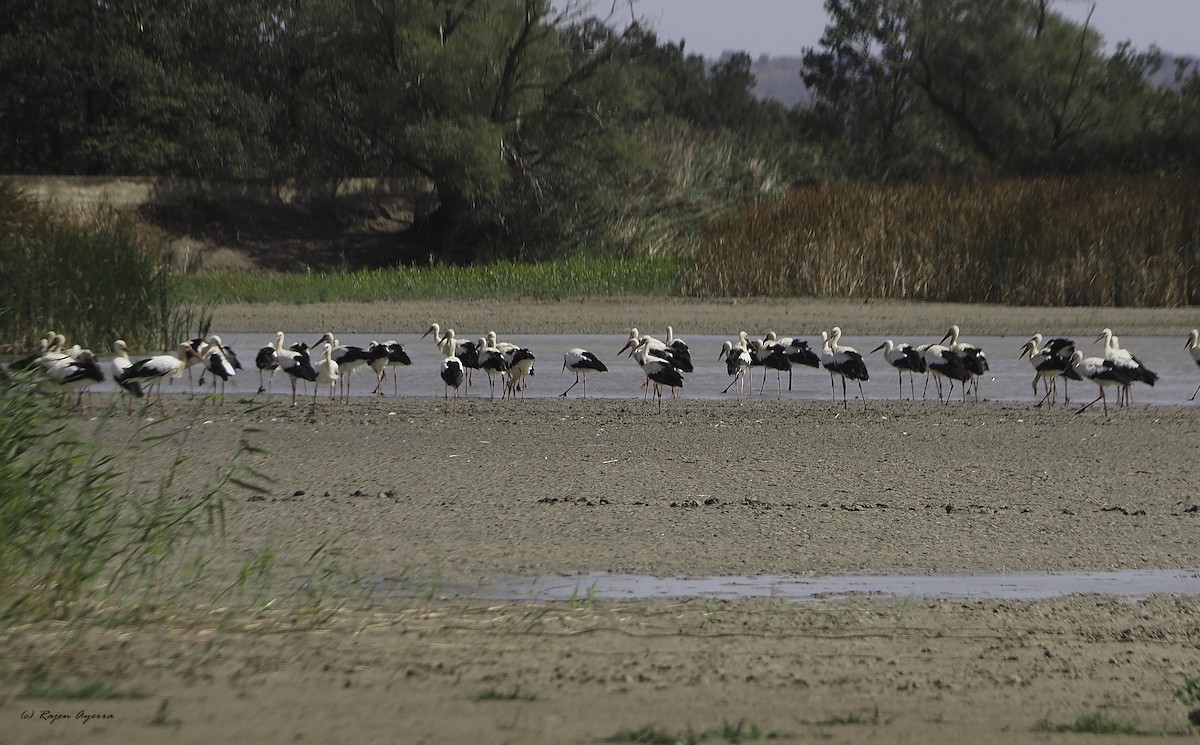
x=664 y=364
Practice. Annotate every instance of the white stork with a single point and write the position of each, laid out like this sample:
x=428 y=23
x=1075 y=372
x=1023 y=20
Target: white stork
x=491 y=361
x=152 y=371
x=78 y=374
x=327 y=372
x=846 y=362
x=770 y=355
x=1128 y=364
x=1050 y=363
x=581 y=361
x=266 y=362
x=943 y=363
x=295 y=363
x=1193 y=346
x=737 y=363
x=452 y=375
x=120 y=363
x=903 y=357
x=971 y=357
x=520 y=366
x=1100 y=371
x=658 y=370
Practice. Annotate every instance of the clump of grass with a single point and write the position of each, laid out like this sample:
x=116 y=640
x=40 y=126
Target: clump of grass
x=740 y=731
x=1189 y=692
x=1095 y=723
x=42 y=685
x=495 y=694
x=95 y=278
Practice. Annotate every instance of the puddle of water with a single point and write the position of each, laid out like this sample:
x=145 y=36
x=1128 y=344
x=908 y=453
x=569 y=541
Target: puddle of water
x=1129 y=585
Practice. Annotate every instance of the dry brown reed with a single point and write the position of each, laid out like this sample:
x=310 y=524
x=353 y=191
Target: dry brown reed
x=1110 y=241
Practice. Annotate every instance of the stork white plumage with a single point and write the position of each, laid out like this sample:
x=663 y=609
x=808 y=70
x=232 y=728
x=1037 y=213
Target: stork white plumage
x=328 y=372
x=218 y=360
x=970 y=356
x=1102 y=372
x=769 y=354
x=120 y=363
x=150 y=372
x=492 y=362
x=581 y=362
x=520 y=366
x=943 y=363
x=1050 y=363
x=903 y=357
x=1193 y=346
x=681 y=354
x=846 y=362
x=737 y=365
x=295 y=363
x=1128 y=364
x=78 y=374
x=658 y=370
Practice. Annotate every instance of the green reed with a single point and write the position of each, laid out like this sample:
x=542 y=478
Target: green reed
x=575 y=277
x=1110 y=241
x=94 y=279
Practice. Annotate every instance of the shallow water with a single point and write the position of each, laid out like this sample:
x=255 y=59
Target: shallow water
x=1008 y=380
x=1130 y=585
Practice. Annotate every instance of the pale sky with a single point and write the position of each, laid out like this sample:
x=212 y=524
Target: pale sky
x=784 y=27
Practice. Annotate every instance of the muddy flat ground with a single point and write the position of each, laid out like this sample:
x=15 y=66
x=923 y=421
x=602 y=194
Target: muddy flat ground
x=422 y=499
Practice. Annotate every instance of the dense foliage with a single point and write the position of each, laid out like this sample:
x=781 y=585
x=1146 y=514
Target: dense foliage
x=543 y=132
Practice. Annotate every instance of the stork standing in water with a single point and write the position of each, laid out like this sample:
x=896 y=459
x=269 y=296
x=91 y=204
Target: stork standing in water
x=1100 y=371
x=295 y=363
x=771 y=355
x=1130 y=366
x=737 y=363
x=220 y=361
x=846 y=362
x=78 y=374
x=120 y=363
x=581 y=361
x=1193 y=346
x=943 y=363
x=492 y=362
x=903 y=357
x=658 y=370
x=970 y=356
x=681 y=354
x=327 y=373
x=520 y=366
x=652 y=349
x=150 y=372
x=798 y=353
x=266 y=362
x=396 y=356
x=452 y=375
x=1050 y=363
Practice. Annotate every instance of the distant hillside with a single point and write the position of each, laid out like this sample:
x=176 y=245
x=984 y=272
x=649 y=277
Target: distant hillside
x=778 y=78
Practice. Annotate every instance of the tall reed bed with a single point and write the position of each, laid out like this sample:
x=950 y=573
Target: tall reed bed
x=1111 y=241
x=576 y=277
x=93 y=278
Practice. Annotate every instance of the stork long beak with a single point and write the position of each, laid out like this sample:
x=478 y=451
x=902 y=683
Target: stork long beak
x=1024 y=350
x=947 y=336
x=628 y=344
x=427 y=333
x=876 y=349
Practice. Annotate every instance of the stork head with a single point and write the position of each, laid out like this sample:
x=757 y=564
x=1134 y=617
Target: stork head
x=434 y=329
x=1030 y=349
x=1193 y=340
x=887 y=345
